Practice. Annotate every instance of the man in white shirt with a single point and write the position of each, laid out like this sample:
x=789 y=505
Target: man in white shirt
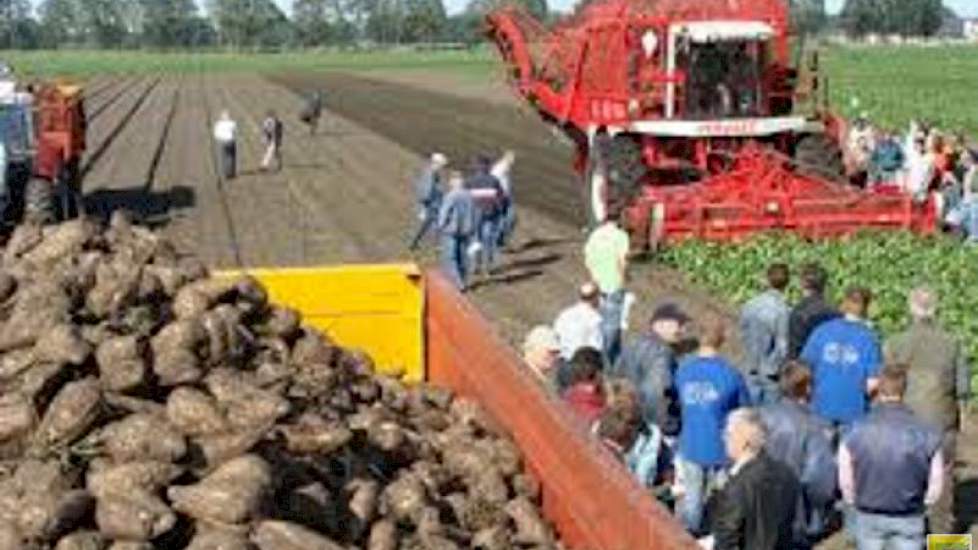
x=579 y=325
x=225 y=134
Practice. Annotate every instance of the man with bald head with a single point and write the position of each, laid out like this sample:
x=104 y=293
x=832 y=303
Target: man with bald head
x=938 y=382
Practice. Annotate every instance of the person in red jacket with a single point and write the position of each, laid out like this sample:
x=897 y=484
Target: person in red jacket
x=585 y=395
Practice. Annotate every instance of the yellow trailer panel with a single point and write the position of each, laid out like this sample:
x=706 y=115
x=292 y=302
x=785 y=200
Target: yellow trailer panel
x=378 y=308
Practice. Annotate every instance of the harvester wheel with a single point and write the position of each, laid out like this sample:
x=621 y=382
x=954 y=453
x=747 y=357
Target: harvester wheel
x=39 y=204
x=614 y=175
x=818 y=156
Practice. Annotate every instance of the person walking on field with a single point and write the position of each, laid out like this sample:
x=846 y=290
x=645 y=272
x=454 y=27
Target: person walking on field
x=312 y=111
x=800 y=440
x=846 y=359
x=271 y=135
x=488 y=195
x=226 y=136
x=606 y=259
x=502 y=170
x=429 y=194
x=764 y=334
x=939 y=386
x=891 y=468
x=709 y=387
x=457 y=222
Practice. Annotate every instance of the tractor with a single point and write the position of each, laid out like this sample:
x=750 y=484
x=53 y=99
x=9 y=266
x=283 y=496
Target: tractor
x=43 y=129
x=693 y=119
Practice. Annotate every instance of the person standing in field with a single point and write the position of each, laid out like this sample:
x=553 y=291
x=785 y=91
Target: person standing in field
x=457 y=222
x=939 y=386
x=226 y=135
x=811 y=311
x=800 y=440
x=606 y=259
x=541 y=353
x=891 y=468
x=755 y=510
x=271 y=135
x=764 y=335
x=846 y=359
x=429 y=193
x=709 y=387
x=579 y=326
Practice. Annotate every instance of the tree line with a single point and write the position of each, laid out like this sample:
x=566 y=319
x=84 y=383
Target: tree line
x=238 y=24
x=261 y=24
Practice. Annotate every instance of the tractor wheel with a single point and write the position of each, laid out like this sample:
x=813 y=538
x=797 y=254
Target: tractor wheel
x=818 y=156
x=614 y=175
x=39 y=204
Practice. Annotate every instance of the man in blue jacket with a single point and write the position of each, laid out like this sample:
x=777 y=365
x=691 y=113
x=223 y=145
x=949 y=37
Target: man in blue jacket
x=428 y=193
x=457 y=222
x=709 y=387
x=845 y=357
x=764 y=335
x=802 y=441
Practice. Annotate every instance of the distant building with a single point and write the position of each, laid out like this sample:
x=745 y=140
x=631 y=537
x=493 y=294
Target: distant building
x=971 y=29
x=952 y=26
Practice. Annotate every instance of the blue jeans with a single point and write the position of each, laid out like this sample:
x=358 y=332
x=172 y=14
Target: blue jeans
x=507 y=223
x=763 y=389
x=611 y=309
x=488 y=237
x=426 y=224
x=698 y=482
x=878 y=532
x=454 y=258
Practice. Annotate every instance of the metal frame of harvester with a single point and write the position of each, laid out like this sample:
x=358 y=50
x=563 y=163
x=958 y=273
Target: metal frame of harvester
x=691 y=117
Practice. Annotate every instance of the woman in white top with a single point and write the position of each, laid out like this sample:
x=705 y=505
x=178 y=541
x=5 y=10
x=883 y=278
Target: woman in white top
x=225 y=134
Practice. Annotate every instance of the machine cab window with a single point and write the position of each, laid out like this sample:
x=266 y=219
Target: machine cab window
x=723 y=63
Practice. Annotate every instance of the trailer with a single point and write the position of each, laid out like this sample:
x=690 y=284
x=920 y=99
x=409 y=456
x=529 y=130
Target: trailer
x=416 y=325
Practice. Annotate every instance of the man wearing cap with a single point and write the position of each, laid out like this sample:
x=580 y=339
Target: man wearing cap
x=541 y=353
x=649 y=363
x=579 y=326
x=606 y=259
x=428 y=193
x=939 y=385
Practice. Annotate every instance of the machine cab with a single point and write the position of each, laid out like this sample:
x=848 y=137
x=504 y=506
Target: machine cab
x=718 y=70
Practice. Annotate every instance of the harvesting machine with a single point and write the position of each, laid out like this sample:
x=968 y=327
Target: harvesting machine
x=692 y=118
x=44 y=135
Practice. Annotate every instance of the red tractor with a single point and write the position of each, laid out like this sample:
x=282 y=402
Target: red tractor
x=44 y=137
x=690 y=116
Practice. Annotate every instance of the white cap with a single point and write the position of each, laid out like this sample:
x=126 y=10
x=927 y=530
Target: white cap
x=439 y=159
x=542 y=337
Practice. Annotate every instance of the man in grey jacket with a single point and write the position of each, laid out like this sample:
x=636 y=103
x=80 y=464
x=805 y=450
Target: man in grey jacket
x=938 y=386
x=428 y=193
x=764 y=335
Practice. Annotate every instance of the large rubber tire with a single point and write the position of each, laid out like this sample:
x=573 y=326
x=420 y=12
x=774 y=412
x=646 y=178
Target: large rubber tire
x=614 y=175
x=818 y=156
x=39 y=202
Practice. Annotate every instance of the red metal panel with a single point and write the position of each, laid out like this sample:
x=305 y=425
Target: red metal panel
x=587 y=494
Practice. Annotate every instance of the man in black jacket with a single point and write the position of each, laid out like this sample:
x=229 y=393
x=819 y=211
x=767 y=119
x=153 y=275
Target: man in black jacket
x=811 y=311
x=756 y=509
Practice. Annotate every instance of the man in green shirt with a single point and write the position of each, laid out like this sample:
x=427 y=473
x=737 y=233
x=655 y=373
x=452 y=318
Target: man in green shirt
x=939 y=384
x=606 y=259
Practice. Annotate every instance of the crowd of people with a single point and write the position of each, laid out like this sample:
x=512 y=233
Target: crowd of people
x=820 y=426
x=922 y=162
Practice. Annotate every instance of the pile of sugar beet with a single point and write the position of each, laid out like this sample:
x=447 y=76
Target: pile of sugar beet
x=146 y=404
